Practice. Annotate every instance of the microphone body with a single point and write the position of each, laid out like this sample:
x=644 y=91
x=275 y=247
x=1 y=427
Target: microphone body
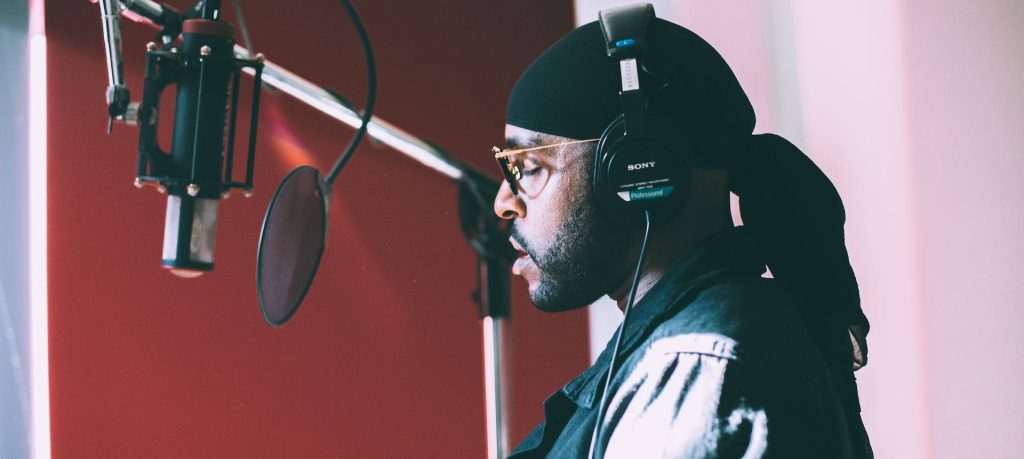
x=197 y=150
x=197 y=171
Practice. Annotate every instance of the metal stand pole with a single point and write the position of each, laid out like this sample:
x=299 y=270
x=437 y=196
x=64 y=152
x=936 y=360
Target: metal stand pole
x=494 y=377
x=490 y=241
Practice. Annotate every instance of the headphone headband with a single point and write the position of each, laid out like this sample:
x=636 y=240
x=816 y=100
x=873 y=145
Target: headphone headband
x=625 y=29
x=625 y=34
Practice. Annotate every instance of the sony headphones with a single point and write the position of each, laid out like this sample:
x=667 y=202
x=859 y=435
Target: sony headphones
x=640 y=159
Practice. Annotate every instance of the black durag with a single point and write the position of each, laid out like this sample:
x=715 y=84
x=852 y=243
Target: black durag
x=790 y=206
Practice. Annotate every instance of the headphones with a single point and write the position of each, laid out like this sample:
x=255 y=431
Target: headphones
x=640 y=159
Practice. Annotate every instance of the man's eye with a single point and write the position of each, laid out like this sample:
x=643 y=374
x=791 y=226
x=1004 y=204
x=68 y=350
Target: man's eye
x=531 y=172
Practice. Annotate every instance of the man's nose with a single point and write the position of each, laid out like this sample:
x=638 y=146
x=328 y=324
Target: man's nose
x=507 y=205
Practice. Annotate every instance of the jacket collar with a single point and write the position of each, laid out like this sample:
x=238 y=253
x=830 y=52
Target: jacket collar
x=725 y=252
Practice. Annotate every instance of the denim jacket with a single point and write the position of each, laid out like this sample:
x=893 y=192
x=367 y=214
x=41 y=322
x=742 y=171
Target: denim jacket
x=715 y=362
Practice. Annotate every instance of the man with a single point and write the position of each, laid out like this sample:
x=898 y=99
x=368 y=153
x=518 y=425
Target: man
x=715 y=360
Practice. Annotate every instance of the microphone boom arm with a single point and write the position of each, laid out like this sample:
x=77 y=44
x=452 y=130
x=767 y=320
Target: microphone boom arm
x=277 y=77
x=386 y=133
x=118 y=96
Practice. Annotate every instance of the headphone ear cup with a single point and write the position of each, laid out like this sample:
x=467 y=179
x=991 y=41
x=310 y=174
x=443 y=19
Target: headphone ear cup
x=610 y=138
x=636 y=174
x=612 y=135
x=672 y=137
x=669 y=133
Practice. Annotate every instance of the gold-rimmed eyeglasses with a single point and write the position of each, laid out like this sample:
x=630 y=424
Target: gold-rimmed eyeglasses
x=524 y=174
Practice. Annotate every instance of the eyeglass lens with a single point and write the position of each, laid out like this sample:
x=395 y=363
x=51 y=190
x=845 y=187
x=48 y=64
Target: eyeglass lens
x=522 y=175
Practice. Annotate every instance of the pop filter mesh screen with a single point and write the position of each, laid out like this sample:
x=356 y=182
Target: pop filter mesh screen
x=291 y=244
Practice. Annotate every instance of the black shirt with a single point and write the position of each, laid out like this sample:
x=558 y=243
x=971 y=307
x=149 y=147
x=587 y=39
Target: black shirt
x=715 y=362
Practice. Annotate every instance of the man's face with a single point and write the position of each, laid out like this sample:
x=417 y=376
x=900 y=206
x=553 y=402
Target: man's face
x=571 y=255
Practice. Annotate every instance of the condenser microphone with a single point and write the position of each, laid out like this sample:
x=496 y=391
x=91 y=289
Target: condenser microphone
x=197 y=149
x=196 y=173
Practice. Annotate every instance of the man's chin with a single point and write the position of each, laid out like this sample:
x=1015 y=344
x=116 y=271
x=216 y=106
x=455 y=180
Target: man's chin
x=548 y=301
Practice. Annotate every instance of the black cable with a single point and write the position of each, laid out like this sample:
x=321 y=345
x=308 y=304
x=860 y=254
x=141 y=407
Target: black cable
x=371 y=97
x=622 y=330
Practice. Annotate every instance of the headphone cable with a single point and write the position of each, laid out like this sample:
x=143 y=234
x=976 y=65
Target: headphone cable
x=618 y=340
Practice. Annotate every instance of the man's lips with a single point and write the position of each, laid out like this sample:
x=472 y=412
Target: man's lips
x=523 y=260
x=520 y=264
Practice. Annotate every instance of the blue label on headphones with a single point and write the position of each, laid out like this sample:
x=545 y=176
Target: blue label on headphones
x=649 y=193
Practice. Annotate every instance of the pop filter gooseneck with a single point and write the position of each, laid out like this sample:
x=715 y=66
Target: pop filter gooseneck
x=294 y=231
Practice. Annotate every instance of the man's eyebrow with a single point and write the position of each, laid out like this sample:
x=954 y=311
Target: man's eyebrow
x=516 y=143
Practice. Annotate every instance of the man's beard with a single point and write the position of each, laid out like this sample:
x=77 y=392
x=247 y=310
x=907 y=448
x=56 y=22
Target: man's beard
x=582 y=261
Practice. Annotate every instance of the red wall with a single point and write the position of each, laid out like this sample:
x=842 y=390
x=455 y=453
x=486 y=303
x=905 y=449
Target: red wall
x=384 y=358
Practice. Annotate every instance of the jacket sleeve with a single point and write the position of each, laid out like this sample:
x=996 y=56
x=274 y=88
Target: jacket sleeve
x=688 y=396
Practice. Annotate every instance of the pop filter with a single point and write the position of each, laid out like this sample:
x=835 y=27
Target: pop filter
x=295 y=228
x=292 y=242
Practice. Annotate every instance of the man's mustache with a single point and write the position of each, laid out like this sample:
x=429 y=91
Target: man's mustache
x=518 y=237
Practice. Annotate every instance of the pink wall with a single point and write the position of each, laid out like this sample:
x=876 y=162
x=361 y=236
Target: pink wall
x=852 y=82
x=965 y=67
x=914 y=109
